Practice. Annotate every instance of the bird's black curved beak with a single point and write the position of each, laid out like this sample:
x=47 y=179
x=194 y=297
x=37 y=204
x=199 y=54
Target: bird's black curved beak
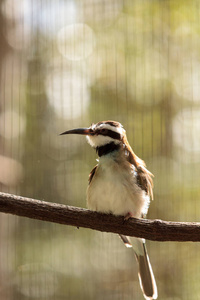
x=82 y=131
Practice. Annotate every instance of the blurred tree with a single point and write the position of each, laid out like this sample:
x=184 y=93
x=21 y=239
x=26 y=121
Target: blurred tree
x=67 y=64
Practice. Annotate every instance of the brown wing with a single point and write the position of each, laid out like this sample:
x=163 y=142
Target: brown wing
x=92 y=174
x=144 y=177
x=144 y=180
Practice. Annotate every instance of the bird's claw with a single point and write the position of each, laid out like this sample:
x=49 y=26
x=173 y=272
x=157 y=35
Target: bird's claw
x=127 y=217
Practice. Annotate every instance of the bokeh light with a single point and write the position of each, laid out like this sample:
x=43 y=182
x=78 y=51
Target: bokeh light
x=67 y=64
x=12 y=124
x=186 y=129
x=68 y=93
x=12 y=171
x=76 y=41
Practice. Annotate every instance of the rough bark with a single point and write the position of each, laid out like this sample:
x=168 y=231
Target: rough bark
x=156 y=230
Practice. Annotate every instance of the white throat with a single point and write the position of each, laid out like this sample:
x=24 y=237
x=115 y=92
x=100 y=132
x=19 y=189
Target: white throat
x=100 y=140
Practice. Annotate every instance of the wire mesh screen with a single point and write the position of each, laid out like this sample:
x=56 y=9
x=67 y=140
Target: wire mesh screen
x=66 y=64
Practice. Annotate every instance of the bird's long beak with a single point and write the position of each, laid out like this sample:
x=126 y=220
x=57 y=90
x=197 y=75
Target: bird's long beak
x=83 y=131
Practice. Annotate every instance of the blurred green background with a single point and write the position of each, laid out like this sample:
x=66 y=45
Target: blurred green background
x=66 y=64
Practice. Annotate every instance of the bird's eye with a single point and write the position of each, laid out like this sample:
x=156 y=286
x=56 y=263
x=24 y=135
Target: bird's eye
x=104 y=131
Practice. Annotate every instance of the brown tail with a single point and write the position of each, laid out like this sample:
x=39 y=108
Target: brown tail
x=145 y=274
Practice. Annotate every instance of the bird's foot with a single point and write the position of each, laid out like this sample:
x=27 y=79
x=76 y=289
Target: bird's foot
x=128 y=216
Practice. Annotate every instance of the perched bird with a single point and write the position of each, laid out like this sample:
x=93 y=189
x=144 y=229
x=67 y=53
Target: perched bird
x=120 y=184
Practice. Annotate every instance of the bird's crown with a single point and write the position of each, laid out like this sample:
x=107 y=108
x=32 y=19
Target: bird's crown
x=105 y=132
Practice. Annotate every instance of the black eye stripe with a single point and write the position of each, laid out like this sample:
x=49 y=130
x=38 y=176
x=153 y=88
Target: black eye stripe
x=114 y=135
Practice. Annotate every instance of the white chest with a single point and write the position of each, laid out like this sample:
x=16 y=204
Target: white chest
x=114 y=190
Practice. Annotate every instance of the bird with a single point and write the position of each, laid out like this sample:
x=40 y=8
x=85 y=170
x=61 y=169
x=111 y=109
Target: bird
x=120 y=184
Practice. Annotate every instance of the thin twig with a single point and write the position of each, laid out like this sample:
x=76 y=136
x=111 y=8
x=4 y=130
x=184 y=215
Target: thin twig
x=156 y=230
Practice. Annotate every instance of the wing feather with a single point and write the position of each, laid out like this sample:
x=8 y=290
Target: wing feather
x=91 y=175
x=144 y=180
x=144 y=177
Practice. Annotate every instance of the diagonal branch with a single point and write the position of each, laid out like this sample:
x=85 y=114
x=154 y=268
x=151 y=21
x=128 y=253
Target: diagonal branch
x=156 y=230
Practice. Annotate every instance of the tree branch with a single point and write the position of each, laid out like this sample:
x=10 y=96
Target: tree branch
x=156 y=230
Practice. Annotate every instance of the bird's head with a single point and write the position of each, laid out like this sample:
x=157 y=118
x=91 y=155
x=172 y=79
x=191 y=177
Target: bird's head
x=101 y=133
x=109 y=135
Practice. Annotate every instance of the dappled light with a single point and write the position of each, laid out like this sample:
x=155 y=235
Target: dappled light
x=76 y=41
x=67 y=64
